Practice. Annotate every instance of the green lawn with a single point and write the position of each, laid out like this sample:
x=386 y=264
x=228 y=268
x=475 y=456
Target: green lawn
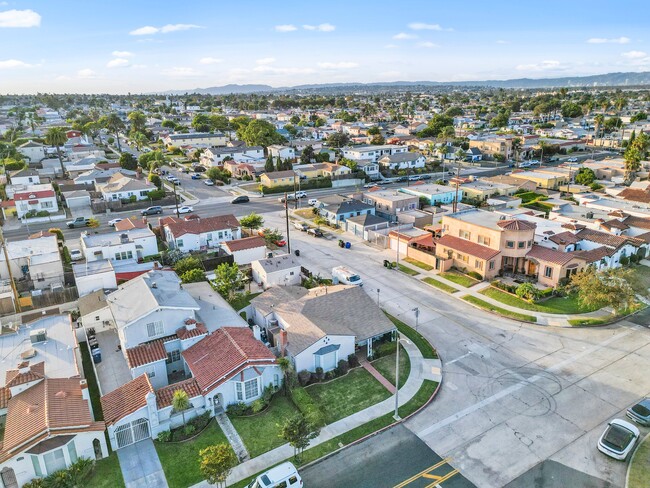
x=642 y=275
x=260 y=432
x=459 y=279
x=640 y=468
x=563 y=305
x=346 y=395
x=502 y=311
x=242 y=301
x=427 y=350
x=386 y=366
x=180 y=461
x=419 y=264
x=407 y=270
x=107 y=474
x=93 y=388
x=590 y=321
x=440 y=284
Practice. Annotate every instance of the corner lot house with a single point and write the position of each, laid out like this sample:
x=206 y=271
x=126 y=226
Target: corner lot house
x=278 y=270
x=195 y=233
x=434 y=194
x=336 y=209
x=279 y=178
x=372 y=153
x=402 y=160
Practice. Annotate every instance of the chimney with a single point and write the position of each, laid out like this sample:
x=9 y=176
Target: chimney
x=283 y=342
x=155 y=265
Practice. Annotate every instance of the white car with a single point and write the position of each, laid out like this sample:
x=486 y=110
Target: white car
x=209 y=182
x=114 y=222
x=301 y=194
x=312 y=201
x=619 y=439
x=75 y=254
x=572 y=160
x=185 y=209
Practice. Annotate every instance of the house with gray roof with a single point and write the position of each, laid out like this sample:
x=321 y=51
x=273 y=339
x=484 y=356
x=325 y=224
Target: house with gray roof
x=317 y=328
x=405 y=160
x=337 y=208
x=122 y=187
x=277 y=270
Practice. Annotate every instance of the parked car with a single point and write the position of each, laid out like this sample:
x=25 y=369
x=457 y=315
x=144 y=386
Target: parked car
x=346 y=276
x=572 y=160
x=301 y=226
x=78 y=222
x=450 y=173
x=619 y=439
x=384 y=182
x=640 y=412
x=414 y=178
x=315 y=232
x=199 y=169
x=284 y=475
x=196 y=176
x=209 y=182
x=75 y=254
x=369 y=185
x=312 y=201
x=240 y=199
x=300 y=194
x=290 y=197
x=185 y=209
x=401 y=178
x=156 y=209
x=114 y=222
x=425 y=177
x=280 y=243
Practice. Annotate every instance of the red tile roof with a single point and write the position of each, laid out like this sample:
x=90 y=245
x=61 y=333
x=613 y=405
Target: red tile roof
x=5 y=395
x=606 y=239
x=548 y=255
x=467 y=247
x=573 y=226
x=594 y=255
x=634 y=221
x=179 y=227
x=564 y=238
x=245 y=243
x=14 y=377
x=635 y=195
x=146 y=353
x=516 y=224
x=131 y=223
x=185 y=333
x=219 y=356
x=127 y=399
x=615 y=224
x=34 y=195
x=165 y=395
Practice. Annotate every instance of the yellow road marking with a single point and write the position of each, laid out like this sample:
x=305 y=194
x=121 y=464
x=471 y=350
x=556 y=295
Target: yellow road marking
x=422 y=473
x=431 y=476
x=444 y=478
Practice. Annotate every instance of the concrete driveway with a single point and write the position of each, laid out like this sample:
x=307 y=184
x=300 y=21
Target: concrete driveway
x=140 y=466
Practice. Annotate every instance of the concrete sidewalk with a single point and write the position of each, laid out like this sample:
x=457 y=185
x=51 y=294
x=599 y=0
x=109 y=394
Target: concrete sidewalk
x=420 y=370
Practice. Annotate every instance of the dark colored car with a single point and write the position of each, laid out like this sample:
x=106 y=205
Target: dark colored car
x=402 y=178
x=425 y=177
x=315 y=232
x=199 y=169
x=156 y=209
x=240 y=199
x=640 y=412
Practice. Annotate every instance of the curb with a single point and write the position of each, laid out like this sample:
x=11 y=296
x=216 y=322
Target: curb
x=629 y=466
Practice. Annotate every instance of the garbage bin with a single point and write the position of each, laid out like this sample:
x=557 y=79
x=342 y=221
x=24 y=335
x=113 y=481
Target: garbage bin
x=386 y=263
x=297 y=252
x=348 y=245
x=97 y=355
x=341 y=243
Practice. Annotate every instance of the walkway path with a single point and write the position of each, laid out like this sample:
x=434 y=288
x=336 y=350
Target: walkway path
x=140 y=466
x=232 y=435
x=420 y=370
x=365 y=364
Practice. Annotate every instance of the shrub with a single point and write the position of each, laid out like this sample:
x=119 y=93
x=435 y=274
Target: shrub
x=59 y=234
x=384 y=349
x=624 y=260
x=267 y=394
x=343 y=367
x=475 y=275
x=353 y=360
x=189 y=429
x=330 y=375
x=304 y=377
x=156 y=194
x=548 y=292
x=319 y=374
x=527 y=291
x=164 y=436
x=258 y=405
x=237 y=409
x=305 y=403
x=504 y=286
x=35 y=483
x=67 y=259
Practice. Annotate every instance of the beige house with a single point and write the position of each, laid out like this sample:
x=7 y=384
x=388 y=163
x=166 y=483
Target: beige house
x=494 y=145
x=547 y=180
x=279 y=178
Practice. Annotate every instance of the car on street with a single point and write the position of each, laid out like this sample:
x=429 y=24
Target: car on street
x=280 y=243
x=78 y=222
x=290 y=197
x=414 y=178
x=312 y=201
x=315 y=232
x=384 y=182
x=301 y=226
x=619 y=439
x=425 y=177
x=640 y=412
x=75 y=254
x=185 y=209
x=450 y=173
x=114 y=222
x=156 y=209
x=199 y=169
x=240 y=199
x=572 y=160
x=301 y=194
x=401 y=178
x=196 y=176
x=209 y=182
x=369 y=185
x=175 y=181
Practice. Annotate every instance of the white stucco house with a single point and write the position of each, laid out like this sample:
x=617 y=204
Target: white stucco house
x=130 y=244
x=246 y=250
x=33 y=151
x=37 y=259
x=35 y=198
x=94 y=275
x=404 y=160
x=280 y=151
x=194 y=233
x=281 y=270
x=122 y=187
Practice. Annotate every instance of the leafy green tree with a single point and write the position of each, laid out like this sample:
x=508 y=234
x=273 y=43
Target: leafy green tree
x=338 y=139
x=353 y=165
x=186 y=264
x=193 y=276
x=633 y=159
x=216 y=463
x=268 y=166
x=218 y=174
x=252 y=222
x=611 y=287
x=137 y=120
x=298 y=431
x=260 y=133
x=378 y=140
x=286 y=368
x=228 y=280
x=571 y=110
x=501 y=119
x=294 y=119
x=219 y=123
x=113 y=123
x=517 y=144
x=128 y=161
x=201 y=123
x=639 y=116
x=374 y=131
x=139 y=139
x=56 y=137
x=168 y=124
x=599 y=120
x=307 y=155
x=436 y=125
x=585 y=176
x=272 y=235
x=155 y=179
x=180 y=402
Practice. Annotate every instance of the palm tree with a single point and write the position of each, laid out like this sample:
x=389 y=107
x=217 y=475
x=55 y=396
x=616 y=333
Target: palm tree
x=140 y=140
x=285 y=367
x=632 y=163
x=516 y=149
x=599 y=120
x=138 y=121
x=56 y=137
x=114 y=124
x=180 y=402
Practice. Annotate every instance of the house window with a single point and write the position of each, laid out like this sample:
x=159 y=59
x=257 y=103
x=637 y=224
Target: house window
x=173 y=356
x=47 y=205
x=155 y=328
x=37 y=466
x=530 y=243
x=491 y=265
x=247 y=390
x=484 y=240
x=521 y=244
x=463 y=234
x=478 y=264
x=510 y=244
x=152 y=373
x=72 y=451
x=462 y=257
x=548 y=272
x=179 y=242
x=54 y=461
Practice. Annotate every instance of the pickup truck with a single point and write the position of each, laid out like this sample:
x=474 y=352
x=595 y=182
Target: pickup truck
x=78 y=222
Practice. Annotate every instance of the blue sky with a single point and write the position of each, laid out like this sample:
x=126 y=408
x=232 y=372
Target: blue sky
x=141 y=46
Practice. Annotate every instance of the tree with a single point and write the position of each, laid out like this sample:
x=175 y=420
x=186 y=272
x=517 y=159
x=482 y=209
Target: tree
x=285 y=367
x=268 y=166
x=139 y=139
x=353 y=165
x=633 y=159
x=228 y=279
x=219 y=122
x=252 y=222
x=155 y=179
x=610 y=287
x=187 y=264
x=571 y=110
x=56 y=137
x=374 y=131
x=338 y=139
x=501 y=119
x=527 y=291
x=639 y=116
x=517 y=144
x=193 y=276
x=435 y=126
x=180 y=402
x=599 y=120
x=128 y=161
x=377 y=140
x=216 y=462
x=585 y=176
x=272 y=235
x=298 y=431
x=201 y=123
x=114 y=124
x=218 y=174
x=138 y=121
x=307 y=155
x=260 y=133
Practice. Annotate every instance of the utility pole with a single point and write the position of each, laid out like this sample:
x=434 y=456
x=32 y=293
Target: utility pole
x=178 y=215
x=455 y=206
x=11 y=276
x=286 y=216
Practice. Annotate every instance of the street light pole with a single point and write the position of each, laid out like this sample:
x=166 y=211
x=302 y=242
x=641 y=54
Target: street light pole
x=178 y=215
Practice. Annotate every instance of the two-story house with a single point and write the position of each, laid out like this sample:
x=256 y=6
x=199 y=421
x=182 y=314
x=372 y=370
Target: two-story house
x=119 y=246
x=280 y=151
x=372 y=153
x=35 y=259
x=214 y=156
x=33 y=151
x=195 y=233
x=196 y=139
x=389 y=203
x=435 y=194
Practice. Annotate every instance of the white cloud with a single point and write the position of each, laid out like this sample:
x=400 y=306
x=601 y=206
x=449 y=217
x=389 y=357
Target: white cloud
x=339 y=65
x=428 y=44
x=285 y=28
x=14 y=63
x=634 y=54
x=117 y=63
x=543 y=66
x=86 y=73
x=148 y=30
x=403 y=36
x=603 y=40
x=501 y=41
x=423 y=26
x=182 y=72
x=210 y=60
x=265 y=61
x=19 y=18
x=122 y=54
x=320 y=27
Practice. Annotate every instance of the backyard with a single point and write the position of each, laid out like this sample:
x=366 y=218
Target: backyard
x=386 y=366
x=242 y=301
x=459 y=278
x=561 y=305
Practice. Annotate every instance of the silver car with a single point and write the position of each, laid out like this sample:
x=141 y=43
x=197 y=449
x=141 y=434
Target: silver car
x=640 y=412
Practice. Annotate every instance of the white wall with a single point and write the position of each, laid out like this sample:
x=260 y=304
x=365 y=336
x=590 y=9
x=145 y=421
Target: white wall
x=99 y=281
x=247 y=256
x=306 y=360
x=277 y=277
x=159 y=371
x=227 y=390
x=97 y=318
x=136 y=332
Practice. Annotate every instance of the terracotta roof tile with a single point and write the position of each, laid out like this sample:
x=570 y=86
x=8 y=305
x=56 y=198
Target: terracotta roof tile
x=573 y=226
x=164 y=395
x=179 y=227
x=635 y=195
x=564 y=238
x=185 y=333
x=634 y=221
x=131 y=223
x=245 y=243
x=5 y=395
x=214 y=359
x=615 y=224
x=126 y=399
x=467 y=247
x=14 y=378
x=606 y=239
x=516 y=224
x=146 y=353
x=549 y=255
x=594 y=255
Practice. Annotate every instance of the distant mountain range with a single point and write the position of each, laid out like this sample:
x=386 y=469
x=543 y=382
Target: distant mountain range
x=604 y=80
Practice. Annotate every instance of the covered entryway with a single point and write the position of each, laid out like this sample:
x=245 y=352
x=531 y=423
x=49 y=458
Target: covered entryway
x=8 y=478
x=132 y=432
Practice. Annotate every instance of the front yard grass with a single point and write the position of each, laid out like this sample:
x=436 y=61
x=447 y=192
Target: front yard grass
x=260 y=432
x=427 y=350
x=563 y=305
x=305 y=213
x=642 y=275
x=640 y=468
x=439 y=284
x=346 y=395
x=106 y=474
x=242 y=301
x=501 y=311
x=180 y=461
x=459 y=279
x=407 y=270
x=386 y=366
x=419 y=264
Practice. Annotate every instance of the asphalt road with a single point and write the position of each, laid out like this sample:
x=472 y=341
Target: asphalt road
x=394 y=458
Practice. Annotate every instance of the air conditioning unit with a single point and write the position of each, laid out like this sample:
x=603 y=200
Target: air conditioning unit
x=38 y=335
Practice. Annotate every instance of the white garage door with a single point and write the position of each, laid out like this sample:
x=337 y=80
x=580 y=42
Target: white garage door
x=135 y=431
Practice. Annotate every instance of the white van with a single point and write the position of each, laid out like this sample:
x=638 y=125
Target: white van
x=346 y=276
x=283 y=476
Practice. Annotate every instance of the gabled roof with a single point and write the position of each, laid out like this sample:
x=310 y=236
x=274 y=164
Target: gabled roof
x=274 y=175
x=165 y=395
x=564 y=238
x=219 y=356
x=14 y=377
x=606 y=239
x=402 y=157
x=119 y=183
x=126 y=399
x=549 y=255
x=179 y=227
x=594 y=255
x=468 y=247
x=146 y=353
x=634 y=221
x=245 y=243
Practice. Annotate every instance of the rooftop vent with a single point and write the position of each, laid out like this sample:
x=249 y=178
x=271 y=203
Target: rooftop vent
x=39 y=335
